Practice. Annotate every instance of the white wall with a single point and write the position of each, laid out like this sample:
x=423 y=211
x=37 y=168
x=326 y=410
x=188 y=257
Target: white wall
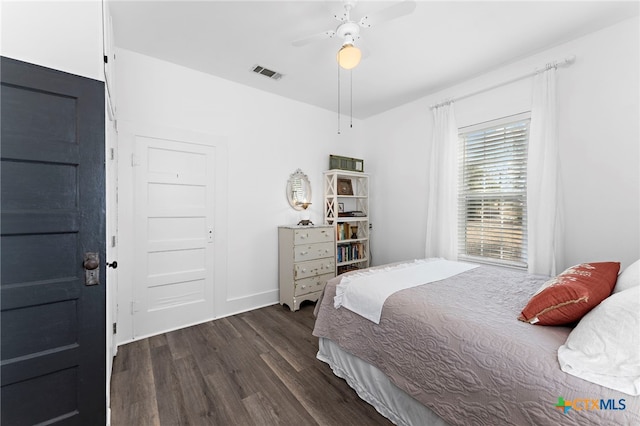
x=598 y=118
x=268 y=137
x=63 y=35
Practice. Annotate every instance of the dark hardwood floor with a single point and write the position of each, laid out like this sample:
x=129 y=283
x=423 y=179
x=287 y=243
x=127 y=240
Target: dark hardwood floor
x=254 y=368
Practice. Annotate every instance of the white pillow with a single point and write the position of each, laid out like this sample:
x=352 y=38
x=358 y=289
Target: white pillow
x=628 y=278
x=603 y=347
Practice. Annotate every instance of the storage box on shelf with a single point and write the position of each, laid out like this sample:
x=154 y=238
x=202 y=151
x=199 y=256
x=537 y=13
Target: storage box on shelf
x=346 y=208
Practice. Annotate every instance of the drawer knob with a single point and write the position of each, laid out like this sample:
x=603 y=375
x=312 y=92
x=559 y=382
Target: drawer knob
x=304 y=252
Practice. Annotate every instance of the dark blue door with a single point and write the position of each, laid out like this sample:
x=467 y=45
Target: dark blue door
x=52 y=345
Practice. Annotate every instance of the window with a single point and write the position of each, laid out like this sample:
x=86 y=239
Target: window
x=493 y=189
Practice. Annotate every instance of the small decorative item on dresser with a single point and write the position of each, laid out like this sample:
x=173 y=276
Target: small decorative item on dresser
x=304 y=220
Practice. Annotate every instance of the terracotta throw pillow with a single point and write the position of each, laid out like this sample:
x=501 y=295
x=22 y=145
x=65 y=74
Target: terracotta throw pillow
x=569 y=296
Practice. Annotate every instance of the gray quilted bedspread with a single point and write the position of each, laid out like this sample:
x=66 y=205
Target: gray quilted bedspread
x=456 y=346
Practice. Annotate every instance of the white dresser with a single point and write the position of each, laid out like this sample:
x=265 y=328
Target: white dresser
x=306 y=261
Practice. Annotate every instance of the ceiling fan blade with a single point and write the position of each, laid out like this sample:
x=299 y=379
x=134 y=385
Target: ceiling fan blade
x=392 y=12
x=313 y=38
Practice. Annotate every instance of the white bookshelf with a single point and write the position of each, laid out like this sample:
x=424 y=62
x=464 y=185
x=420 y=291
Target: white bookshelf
x=352 y=232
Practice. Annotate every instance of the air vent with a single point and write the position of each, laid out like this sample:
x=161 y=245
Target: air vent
x=266 y=72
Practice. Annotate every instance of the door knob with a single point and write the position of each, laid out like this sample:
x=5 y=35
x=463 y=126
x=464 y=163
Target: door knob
x=113 y=264
x=91 y=261
x=91 y=266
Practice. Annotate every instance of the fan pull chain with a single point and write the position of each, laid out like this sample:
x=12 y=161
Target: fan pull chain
x=351 y=98
x=338 y=99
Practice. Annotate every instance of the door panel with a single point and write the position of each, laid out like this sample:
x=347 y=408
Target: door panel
x=174 y=193
x=52 y=199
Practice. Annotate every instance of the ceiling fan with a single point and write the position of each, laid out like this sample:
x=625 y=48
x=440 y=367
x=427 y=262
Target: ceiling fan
x=349 y=30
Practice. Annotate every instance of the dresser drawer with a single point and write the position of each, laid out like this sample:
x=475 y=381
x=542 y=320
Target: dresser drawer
x=312 y=251
x=313 y=268
x=313 y=235
x=309 y=285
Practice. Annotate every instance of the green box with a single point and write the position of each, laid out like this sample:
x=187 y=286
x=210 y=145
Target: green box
x=346 y=163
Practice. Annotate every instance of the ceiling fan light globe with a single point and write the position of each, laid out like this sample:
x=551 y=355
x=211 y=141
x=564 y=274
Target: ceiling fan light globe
x=349 y=56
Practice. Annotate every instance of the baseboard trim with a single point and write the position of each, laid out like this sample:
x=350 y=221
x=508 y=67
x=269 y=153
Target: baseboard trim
x=232 y=307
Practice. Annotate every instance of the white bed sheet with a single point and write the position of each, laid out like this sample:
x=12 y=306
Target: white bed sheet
x=365 y=292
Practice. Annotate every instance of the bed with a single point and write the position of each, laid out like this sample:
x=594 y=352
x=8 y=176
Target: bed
x=452 y=352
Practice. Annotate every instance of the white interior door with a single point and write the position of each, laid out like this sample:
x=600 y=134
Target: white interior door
x=173 y=278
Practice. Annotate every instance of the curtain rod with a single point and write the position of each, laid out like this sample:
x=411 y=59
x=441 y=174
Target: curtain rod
x=555 y=64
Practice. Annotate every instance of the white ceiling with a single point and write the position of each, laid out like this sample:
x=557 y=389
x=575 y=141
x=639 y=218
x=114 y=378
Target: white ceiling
x=439 y=44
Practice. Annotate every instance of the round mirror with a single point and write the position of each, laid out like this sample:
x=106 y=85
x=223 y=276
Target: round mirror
x=299 y=190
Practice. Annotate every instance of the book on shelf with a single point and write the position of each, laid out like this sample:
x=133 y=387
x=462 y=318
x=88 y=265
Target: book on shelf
x=343 y=231
x=355 y=213
x=350 y=252
x=346 y=231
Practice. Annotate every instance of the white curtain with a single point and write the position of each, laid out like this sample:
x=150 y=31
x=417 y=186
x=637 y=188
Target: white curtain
x=544 y=215
x=442 y=208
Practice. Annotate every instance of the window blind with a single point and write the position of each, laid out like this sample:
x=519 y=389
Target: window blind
x=493 y=189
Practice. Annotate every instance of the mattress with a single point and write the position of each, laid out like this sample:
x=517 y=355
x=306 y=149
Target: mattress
x=457 y=347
